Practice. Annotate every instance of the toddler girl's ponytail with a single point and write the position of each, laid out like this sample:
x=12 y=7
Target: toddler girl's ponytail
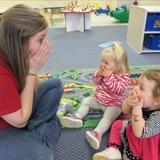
x=121 y=57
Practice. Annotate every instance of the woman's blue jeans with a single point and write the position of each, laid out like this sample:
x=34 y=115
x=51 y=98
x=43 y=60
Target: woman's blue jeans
x=37 y=141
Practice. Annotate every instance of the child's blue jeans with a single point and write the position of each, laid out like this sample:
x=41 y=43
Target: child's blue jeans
x=37 y=141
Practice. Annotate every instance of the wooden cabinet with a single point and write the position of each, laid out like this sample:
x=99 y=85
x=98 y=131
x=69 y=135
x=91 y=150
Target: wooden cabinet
x=136 y=27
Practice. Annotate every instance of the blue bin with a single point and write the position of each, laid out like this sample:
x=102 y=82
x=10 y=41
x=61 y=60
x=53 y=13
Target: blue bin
x=152 y=41
x=153 y=22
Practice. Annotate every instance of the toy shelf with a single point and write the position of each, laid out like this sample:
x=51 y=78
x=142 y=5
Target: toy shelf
x=136 y=27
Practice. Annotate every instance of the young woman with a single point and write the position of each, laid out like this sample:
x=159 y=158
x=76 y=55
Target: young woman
x=29 y=127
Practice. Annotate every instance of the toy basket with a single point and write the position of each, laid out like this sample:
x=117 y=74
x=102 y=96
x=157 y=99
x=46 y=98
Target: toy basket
x=153 y=22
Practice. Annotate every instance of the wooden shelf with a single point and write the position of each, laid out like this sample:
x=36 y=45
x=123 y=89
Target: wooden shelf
x=146 y=50
x=136 y=27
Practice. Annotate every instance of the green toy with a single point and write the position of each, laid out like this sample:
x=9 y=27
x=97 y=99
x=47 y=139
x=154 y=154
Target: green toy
x=121 y=14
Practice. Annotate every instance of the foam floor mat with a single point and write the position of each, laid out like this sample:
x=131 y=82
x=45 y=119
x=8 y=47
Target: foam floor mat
x=72 y=144
x=78 y=85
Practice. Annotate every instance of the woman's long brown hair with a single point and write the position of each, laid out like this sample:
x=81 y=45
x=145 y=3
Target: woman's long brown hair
x=17 y=25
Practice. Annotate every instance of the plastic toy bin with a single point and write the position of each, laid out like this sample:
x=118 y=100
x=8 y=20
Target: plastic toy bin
x=153 y=22
x=152 y=41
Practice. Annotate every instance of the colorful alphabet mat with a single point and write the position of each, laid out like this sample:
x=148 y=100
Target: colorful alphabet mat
x=78 y=85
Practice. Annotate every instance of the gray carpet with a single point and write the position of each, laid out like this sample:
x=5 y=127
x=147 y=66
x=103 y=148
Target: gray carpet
x=81 y=50
x=72 y=145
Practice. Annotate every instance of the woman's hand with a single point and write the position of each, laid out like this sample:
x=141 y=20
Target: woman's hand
x=39 y=58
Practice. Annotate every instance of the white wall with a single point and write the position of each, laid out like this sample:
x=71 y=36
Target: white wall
x=140 y=2
x=149 y=2
x=43 y=3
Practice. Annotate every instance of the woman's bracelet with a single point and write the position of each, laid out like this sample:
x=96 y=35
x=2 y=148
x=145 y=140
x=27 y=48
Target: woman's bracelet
x=32 y=74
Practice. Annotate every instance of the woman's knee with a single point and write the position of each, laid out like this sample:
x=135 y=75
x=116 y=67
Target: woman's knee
x=59 y=85
x=55 y=82
x=52 y=84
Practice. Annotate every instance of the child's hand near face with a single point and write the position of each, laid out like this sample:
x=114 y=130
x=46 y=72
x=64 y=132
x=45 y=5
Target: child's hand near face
x=105 y=71
x=102 y=66
x=100 y=70
x=135 y=99
x=138 y=121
